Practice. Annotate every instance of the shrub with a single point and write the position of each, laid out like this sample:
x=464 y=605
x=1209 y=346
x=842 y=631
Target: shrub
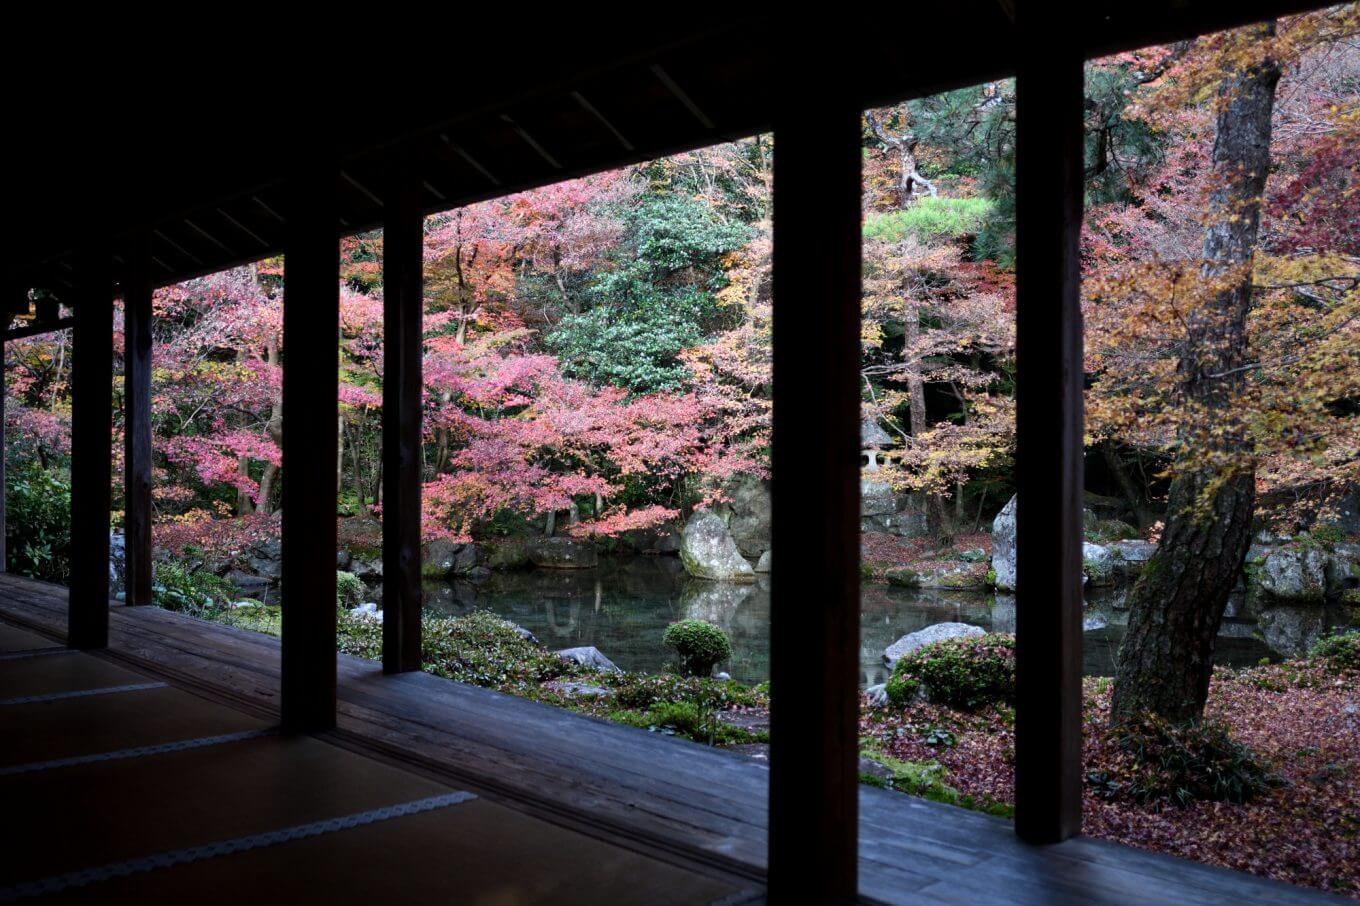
x=480 y=649
x=1180 y=763
x=929 y=219
x=966 y=673
x=642 y=691
x=699 y=645
x=1340 y=652
x=349 y=590
x=38 y=533
x=175 y=586
x=689 y=719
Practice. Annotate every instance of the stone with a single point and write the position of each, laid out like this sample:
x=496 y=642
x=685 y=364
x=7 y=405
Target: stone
x=1295 y=574
x=1099 y=564
x=343 y=559
x=763 y=564
x=589 y=656
x=263 y=566
x=1003 y=547
x=523 y=633
x=938 y=632
x=437 y=557
x=1343 y=571
x=709 y=552
x=465 y=560
x=876 y=769
x=959 y=577
x=248 y=584
x=563 y=553
x=574 y=689
x=878 y=695
x=902 y=577
x=1133 y=551
x=508 y=555
x=369 y=609
x=1292 y=631
x=747 y=513
x=368 y=571
x=876 y=499
x=269 y=549
x=478 y=574
x=668 y=539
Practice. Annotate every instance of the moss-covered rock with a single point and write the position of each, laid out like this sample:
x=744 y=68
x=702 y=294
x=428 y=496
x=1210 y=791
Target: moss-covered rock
x=964 y=673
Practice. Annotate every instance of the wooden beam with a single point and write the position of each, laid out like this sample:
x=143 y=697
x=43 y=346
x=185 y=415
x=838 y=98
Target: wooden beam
x=91 y=455
x=1049 y=170
x=137 y=422
x=403 y=311
x=37 y=327
x=814 y=627
x=311 y=318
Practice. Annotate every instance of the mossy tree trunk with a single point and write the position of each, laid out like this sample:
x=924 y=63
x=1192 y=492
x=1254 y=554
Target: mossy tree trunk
x=1175 y=609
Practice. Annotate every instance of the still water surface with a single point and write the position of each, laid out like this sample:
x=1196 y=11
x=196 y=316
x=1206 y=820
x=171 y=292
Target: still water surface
x=624 y=605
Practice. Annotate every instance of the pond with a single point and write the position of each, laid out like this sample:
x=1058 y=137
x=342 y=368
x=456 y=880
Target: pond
x=623 y=606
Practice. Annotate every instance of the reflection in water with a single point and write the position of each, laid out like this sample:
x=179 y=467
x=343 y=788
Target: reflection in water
x=623 y=606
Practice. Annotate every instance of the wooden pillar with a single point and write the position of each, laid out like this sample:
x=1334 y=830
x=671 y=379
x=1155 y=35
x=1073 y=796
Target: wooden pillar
x=4 y=486
x=311 y=323
x=403 y=311
x=814 y=626
x=1049 y=170
x=91 y=455
x=137 y=422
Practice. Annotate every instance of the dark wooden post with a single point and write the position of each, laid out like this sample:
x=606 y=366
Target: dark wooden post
x=1049 y=96
x=403 y=310
x=91 y=456
x=137 y=422
x=814 y=627
x=4 y=486
x=311 y=321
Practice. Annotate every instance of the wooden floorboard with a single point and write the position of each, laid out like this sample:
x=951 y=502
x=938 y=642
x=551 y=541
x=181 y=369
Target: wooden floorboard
x=664 y=793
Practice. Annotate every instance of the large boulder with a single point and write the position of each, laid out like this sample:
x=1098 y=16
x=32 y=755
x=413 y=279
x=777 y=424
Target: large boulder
x=876 y=498
x=589 y=656
x=1297 y=574
x=508 y=555
x=1099 y=564
x=955 y=576
x=249 y=585
x=939 y=632
x=563 y=553
x=1343 y=573
x=437 y=556
x=708 y=551
x=747 y=513
x=1003 y=547
x=763 y=564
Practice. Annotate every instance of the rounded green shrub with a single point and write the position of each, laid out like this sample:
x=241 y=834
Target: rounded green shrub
x=1340 y=652
x=698 y=644
x=349 y=589
x=966 y=673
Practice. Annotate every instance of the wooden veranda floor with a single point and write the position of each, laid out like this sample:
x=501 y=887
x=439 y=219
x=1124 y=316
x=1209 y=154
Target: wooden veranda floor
x=433 y=788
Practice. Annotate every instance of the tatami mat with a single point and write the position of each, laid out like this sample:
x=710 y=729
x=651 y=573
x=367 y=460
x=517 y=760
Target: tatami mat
x=43 y=731
x=156 y=803
x=471 y=853
x=12 y=638
x=55 y=673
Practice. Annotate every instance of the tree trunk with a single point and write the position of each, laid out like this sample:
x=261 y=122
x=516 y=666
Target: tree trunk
x=937 y=517
x=1176 y=607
